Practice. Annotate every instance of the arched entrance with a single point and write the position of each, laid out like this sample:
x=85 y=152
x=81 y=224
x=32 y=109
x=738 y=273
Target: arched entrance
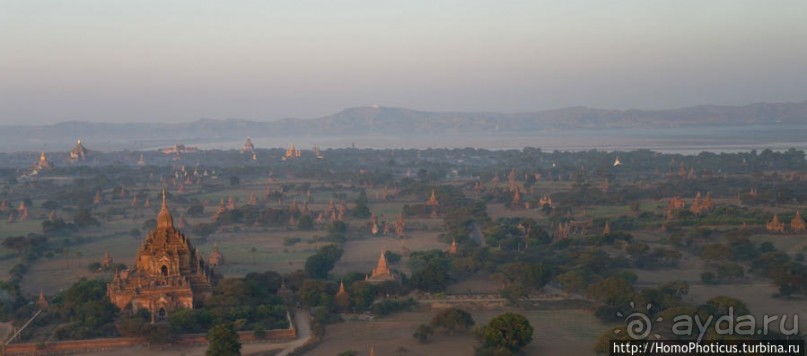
x=161 y=314
x=164 y=271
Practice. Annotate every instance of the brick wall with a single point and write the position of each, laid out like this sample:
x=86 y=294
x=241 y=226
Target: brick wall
x=78 y=346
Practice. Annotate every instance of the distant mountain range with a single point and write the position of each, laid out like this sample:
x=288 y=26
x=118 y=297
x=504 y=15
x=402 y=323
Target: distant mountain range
x=379 y=120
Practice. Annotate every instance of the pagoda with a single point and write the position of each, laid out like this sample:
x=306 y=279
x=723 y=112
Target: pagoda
x=797 y=223
x=373 y=224
x=676 y=203
x=248 y=146
x=78 y=153
x=342 y=298
x=511 y=179
x=342 y=290
x=453 y=249
x=216 y=258
x=42 y=302
x=516 y=200
x=169 y=273
x=697 y=206
x=43 y=163
x=545 y=201
x=292 y=152
x=381 y=273
x=432 y=200
x=23 y=211
x=220 y=210
x=400 y=226
x=433 y=203
x=106 y=262
x=775 y=225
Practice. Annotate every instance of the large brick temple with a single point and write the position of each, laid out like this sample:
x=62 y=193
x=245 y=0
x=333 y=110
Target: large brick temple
x=169 y=273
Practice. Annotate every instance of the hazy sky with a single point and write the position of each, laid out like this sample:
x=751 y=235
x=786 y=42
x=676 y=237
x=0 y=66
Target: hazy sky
x=160 y=60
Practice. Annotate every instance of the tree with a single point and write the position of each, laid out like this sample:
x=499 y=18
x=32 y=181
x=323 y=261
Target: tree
x=197 y=209
x=319 y=264
x=84 y=218
x=361 y=210
x=422 y=333
x=87 y=308
x=430 y=270
x=612 y=291
x=362 y=295
x=306 y=223
x=204 y=230
x=452 y=320
x=223 y=341
x=508 y=331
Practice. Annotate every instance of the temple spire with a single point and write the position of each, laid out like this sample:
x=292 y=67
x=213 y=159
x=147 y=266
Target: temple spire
x=342 y=290
x=42 y=302
x=164 y=218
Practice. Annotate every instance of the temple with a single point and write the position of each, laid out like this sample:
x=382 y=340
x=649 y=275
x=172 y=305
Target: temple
x=400 y=226
x=248 y=146
x=433 y=203
x=107 y=261
x=169 y=273
x=545 y=201
x=42 y=302
x=78 y=153
x=381 y=273
x=516 y=203
x=292 y=152
x=775 y=225
x=699 y=206
x=216 y=258
x=797 y=223
x=178 y=149
x=42 y=164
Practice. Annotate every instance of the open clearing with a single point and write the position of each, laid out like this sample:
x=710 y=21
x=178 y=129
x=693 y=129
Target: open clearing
x=557 y=332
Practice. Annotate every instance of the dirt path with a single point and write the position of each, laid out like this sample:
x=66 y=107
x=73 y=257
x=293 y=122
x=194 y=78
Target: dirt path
x=5 y=330
x=302 y=322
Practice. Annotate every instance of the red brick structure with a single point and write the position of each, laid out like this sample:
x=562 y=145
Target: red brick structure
x=169 y=273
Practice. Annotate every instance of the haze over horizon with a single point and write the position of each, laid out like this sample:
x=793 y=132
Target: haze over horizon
x=152 y=61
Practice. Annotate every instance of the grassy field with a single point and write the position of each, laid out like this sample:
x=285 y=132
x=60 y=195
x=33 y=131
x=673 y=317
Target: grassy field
x=557 y=332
